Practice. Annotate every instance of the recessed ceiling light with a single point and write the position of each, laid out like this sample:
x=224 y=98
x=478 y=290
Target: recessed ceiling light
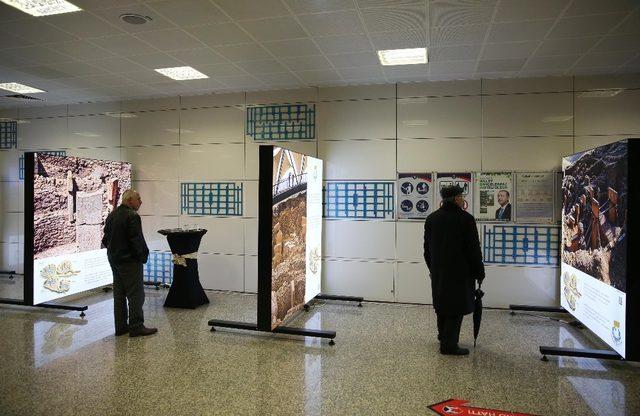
x=19 y=88
x=43 y=7
x=135 y=19
x=403 y=56
x=181 y=73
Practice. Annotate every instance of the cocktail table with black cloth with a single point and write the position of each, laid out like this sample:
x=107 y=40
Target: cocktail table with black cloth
x=186 y=290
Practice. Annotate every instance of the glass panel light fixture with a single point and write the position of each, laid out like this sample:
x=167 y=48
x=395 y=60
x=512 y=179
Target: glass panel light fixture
x=410 y=56
x=181 y=73
x=19 y=88
x=43 y=7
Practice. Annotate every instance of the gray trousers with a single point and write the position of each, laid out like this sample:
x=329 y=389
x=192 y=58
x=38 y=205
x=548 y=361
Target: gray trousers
x=128 y=286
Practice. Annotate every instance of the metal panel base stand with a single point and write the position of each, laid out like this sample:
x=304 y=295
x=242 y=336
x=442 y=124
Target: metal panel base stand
x=213 y=323
x=336 y=297
x=9 y=272
x=47 y=306
x=549 y=309
x=572 y=352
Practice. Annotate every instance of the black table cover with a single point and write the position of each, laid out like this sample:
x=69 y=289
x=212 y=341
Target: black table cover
x=186 y=290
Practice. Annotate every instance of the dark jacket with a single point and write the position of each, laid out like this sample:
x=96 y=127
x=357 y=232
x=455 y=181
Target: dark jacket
x=123 y=237
x=507 y=212
x=452 y=252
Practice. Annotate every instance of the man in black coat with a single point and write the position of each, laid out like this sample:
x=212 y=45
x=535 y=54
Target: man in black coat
x=127 y=252
x=452 y=253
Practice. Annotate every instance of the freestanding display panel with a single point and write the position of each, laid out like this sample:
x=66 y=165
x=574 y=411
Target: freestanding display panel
x=599 y=282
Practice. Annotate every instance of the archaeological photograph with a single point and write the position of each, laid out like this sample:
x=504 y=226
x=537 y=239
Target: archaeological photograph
x=289 y=225
x=594 y=210
x=72 y=198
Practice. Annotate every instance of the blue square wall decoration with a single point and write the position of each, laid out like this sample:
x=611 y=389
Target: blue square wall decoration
x=211 y=198
x=359 y=199
x=281 y=122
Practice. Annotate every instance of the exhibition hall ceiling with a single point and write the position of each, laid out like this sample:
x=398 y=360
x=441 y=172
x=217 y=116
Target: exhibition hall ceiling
x=245 y=45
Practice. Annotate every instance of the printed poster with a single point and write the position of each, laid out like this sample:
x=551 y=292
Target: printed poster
x=534 y=196
x=493 y=193
x=463 y=180
x=415 y=195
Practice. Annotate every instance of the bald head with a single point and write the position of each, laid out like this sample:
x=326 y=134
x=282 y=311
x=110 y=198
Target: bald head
x=131 y=198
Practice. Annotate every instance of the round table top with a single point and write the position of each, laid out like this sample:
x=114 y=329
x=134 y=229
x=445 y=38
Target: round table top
x=168 y=231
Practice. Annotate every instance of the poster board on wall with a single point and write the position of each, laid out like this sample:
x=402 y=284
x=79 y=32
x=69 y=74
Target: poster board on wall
x=289 y=234
x=415 y=195
x=493 y=196
x=463 y=179
x=535 y=196
x=67 y=200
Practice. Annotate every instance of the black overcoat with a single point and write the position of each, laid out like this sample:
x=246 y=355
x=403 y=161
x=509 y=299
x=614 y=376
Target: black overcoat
x=452 y=252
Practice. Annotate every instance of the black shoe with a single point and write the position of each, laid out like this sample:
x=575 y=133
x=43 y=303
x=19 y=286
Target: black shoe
x=454 y=351
x=122 y=332
x=142 y=332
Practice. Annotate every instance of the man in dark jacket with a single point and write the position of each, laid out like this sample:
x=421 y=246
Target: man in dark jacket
x=127 y=252
x=452 y=253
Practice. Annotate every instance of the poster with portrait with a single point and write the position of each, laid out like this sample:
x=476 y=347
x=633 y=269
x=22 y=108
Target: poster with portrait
x=535 y=196
x=493 y=193
x=415 y=195
x=462 y=179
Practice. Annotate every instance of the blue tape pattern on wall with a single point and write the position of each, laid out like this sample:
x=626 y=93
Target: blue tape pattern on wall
x=367 y=200
x=8 y=134
x=282 y=122
x=47 y=152
x=211 y=198
x=159 y=268
x=521 y=244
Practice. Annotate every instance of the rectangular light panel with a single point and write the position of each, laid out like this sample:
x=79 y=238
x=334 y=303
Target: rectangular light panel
x=42 y=7
x=19 y=88
x=181 y=73
x=410 y=56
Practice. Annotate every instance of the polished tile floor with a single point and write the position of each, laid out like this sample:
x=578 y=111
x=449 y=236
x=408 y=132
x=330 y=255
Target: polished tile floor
x=385 y=362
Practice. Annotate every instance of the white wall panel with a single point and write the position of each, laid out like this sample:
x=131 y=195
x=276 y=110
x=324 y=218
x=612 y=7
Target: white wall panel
x=211 y=162
x=359 y=239
x=153 y=163
x=357 y=92
x=301 y=95
x=373 y=281
x=158 y=198
x=94 y=131
x=212 y=100
x=526 y=85
x=528 y=115
x=9 y=163
x=520 y=285
x=212 y=125
x=110 y=153
x=43 y=134
x=427 y=155
x=359 y=159
x=413 y=284
x=438 y=89
x=596 y=82
x=155 y=127
x=11 y=197
x=618 y=114
x=525 y=153
x=357 y=120
x=164 y=103
x=10 y=257
x=440 y=117
x=589 y=142
x=43 y=111
x=93 y=108
x=410 y=241
x=251 y=274
x=221 y=272
x=251 y=236
x=224 y=235
x=10 y=227
x=250 y=198
x=252 y=157
x=150 y=226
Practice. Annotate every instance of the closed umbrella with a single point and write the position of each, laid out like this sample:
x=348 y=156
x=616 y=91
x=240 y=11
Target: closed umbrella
x=477 y=314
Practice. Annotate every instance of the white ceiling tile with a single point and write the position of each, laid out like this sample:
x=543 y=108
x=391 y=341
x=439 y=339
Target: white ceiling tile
x=318 y=76
x=618 y=43
x=170 y=40
x=519 y=31
x=80 y=50
x=496 y=74
x=7 y=40
x=349 y=60
x=585 y=25
x=116 y=64
x=551 y=62
x=344 y=43
x=38 y=55
x=222 y=70
x=391 y=19
x=124 y=45
x=251 y=9
x=453 y=53
x=155 y=60
x=8 y=13
x=603 y=59
x=398 y=40
x=11 y=60
x=110 y=80
x=199 y=56
x=204 y=84
x=220 y=34
x=509 y=50
x=37 y=31
x=145 y=77
x=387 y=3
x=630 y=25
x=520 y=10
x=567 y=46
x=364 y=72
x=185 y=13
x=457 y=67
x=241 y=81
x=284 y=79
x=307 y=63
x=83 y=25
x=243 y=53
x=406 y=70
x=278 y=28
x=460 y=12
x=457 y=35
x=315 y=6
x=500 y=65
x=583 y=7
x=77 y=68
x=262 y=67
x=290 y=48
x=332 y=23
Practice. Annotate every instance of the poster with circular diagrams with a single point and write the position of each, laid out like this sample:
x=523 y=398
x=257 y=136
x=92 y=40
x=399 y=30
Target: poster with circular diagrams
x=415 y=195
